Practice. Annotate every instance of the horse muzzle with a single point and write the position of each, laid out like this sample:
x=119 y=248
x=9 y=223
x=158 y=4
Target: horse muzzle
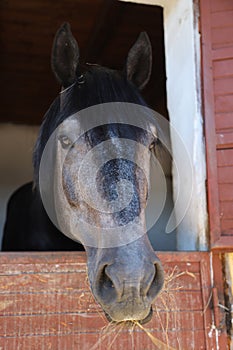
x=126 y=280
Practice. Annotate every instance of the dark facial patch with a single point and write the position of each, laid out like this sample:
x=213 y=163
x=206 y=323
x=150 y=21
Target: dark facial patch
x=110 y=174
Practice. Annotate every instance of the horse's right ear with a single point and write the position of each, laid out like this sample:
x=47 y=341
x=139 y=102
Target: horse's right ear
x=139 y=61
x=65 y=56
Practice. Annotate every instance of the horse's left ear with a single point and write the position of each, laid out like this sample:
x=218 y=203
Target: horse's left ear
x=65 y=56
x=139 y=61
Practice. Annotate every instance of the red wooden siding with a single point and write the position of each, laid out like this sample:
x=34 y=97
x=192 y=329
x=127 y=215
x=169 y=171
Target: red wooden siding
x=45 y=303
x=217 y=58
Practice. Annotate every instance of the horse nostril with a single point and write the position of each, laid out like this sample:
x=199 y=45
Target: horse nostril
x=106 y=280
x=106 y=288
x=157 y=282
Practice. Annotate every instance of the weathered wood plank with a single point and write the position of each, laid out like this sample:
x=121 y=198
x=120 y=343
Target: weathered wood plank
x=222 y=19
x=222 y=5
x=222 y=68
x=45 y=303
x=223 y=85
x=121 y=341
x=227 y=226
x=224 y=120
x=218 y=34
x=225 y=175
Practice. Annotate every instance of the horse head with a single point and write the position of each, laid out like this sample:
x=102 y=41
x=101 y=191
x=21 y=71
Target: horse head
x=98 y=173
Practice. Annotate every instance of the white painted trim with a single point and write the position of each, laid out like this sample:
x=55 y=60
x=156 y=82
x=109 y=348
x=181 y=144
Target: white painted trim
x=182 y=51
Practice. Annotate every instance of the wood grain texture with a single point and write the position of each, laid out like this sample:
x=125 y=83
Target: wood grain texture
x=217 y=61
x=45 y=303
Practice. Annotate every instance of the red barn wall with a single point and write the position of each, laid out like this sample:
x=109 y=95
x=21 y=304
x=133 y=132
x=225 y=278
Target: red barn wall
x=217 y=55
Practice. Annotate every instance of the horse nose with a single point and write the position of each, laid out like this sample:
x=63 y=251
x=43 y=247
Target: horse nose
x=125 y=280
x=119 y=283
x=126 y=292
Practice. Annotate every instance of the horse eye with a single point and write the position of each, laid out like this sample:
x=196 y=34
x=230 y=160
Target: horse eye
x=152 y=145
x=65 y=141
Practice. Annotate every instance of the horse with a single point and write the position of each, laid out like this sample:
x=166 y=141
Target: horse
x=124 y=278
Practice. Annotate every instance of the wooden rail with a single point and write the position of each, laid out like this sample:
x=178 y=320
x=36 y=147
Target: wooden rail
x=45 y=303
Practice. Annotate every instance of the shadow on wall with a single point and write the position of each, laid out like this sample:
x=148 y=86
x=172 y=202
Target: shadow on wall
x=16 y=147
x=160 y=204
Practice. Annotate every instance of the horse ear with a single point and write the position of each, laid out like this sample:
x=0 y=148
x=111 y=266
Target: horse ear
x=139 y=61
x=65 y=56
